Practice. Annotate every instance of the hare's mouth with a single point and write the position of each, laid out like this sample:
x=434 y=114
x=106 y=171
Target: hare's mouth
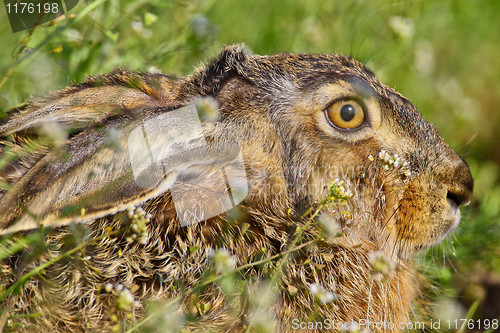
x=454 y=213
x=426 y=216
x=448 y=223
x=454 y=216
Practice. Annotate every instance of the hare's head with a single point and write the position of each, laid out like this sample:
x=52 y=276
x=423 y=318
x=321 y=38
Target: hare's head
x=301 y=121
x=306 y=120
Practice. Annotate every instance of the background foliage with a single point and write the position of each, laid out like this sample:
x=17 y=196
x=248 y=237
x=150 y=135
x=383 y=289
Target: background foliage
x=442 y=55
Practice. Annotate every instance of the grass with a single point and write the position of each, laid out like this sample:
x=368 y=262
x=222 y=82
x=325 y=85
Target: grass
x=442 y=55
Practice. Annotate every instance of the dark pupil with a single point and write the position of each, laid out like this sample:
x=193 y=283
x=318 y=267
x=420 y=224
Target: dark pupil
x=347 y=112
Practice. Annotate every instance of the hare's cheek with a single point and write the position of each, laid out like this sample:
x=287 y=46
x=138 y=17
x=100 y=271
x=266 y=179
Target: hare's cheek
x=424 y=215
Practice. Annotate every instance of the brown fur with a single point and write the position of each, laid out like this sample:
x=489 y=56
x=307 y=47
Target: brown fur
x=273 y=107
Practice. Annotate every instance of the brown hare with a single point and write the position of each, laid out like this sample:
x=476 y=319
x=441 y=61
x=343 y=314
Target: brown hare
x=335 y=179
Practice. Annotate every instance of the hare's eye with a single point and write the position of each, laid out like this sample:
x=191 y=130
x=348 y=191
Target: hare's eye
x=346 y=114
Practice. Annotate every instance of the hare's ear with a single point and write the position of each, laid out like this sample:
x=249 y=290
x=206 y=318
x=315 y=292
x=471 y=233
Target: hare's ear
x=46 y=185
x=122 y=152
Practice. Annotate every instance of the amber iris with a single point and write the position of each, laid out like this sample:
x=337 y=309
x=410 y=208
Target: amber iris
x=346 y=114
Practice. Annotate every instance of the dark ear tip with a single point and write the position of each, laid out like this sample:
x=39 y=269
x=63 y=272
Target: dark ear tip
x=234 y=54
x=209 y=79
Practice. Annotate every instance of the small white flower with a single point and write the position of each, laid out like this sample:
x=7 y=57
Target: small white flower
x=137 y=26
x=382 y=265
x=154 y=70
x=321 y=294
x=166 y=317
x=402 y=26
x=381 y=154
x=338 y=191
x=125 y=300
x=223 y=260
x=330 y=227
x=74 y=34
x=208 y=109
x=138 y=225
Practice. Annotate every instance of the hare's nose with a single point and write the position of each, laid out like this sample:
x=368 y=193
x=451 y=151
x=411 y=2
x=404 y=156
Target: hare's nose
x=461 y=183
